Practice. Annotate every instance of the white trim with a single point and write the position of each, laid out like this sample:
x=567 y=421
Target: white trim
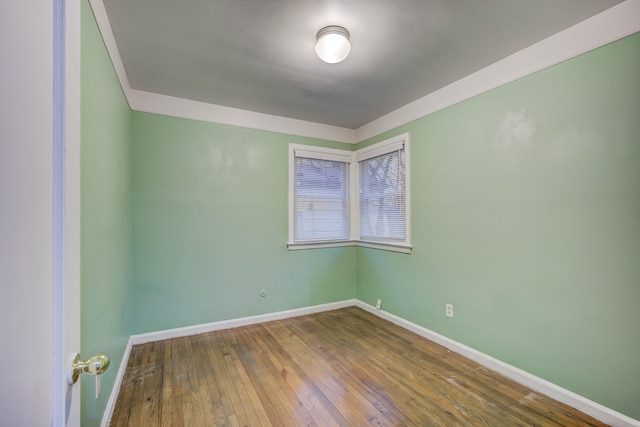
x=66 y=308
x=386 y=246
x=375 y=150
x=322 y=153
x=323 y=244
x=57 y=211
x=326 y=154
x=66 y=207
x=354 y=200
x=236 y=323
x=290 y=203
x=102 y=19
x=353 y=158
x=203 y=328
x=115 y=390
x=613 y=24
x=599 y=30
x=402 y=141
x=72 y=300
x=551 y=390
x=196 y=110
x=331 y=154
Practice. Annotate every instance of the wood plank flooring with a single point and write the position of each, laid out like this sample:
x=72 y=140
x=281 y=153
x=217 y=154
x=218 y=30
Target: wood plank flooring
x=340 y=368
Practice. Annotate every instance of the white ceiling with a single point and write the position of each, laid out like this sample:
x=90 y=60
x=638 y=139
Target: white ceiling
x=258 y=55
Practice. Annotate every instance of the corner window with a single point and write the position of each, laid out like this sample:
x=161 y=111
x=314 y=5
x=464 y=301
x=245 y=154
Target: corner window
x=339 y=198
x=383 y=195
x=319 y=193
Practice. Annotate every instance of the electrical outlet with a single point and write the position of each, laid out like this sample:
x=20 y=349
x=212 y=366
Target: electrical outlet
x=378 y=304
x=448 y=311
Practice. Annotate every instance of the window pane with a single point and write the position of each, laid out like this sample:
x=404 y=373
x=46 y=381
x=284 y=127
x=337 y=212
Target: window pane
x=382 y=197
x=320 y=200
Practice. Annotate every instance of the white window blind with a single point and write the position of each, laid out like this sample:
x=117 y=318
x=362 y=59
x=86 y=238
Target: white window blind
x=383 y=196
x=320 y=198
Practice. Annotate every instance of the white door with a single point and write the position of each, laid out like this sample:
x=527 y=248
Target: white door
x=32 y=342
x=66 y=336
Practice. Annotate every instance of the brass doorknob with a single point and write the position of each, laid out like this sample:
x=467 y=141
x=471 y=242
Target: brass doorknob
x=95 y=365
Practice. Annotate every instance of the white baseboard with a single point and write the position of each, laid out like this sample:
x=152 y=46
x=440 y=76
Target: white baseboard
x=545 y=387
x=235 y=323
x=558 y=393
x=207 y=327
x=111 y=403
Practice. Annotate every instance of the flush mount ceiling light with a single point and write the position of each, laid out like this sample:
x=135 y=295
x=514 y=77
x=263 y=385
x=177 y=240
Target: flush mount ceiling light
x=332 y=44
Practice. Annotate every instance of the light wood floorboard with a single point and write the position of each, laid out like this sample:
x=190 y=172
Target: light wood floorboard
x=340 y=368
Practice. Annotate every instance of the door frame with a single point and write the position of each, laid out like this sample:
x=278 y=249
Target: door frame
x=66 y=300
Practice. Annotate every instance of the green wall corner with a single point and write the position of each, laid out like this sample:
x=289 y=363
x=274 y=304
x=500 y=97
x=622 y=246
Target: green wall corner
x=210 y=227
x=526 y=217
x=105 y=198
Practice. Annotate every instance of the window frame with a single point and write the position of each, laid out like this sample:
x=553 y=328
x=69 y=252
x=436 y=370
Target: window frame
x=379 y=149
x=353 y=177
x=320 y=153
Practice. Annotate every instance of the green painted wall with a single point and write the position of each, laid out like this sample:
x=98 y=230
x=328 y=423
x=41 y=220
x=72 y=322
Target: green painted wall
x=210 y=227
x=105 y=215
x=526 y=217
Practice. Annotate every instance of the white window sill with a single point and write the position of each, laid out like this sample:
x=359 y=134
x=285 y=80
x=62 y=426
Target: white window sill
x=386 y=246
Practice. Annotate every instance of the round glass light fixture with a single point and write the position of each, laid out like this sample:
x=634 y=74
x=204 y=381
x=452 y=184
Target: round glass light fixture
x=332 y=44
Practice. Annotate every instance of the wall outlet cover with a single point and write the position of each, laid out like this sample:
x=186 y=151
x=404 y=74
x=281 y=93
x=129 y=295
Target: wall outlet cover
x=378 y=304
x=449 y=310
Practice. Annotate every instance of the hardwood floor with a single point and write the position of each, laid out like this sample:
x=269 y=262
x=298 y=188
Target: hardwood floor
x=340 y=368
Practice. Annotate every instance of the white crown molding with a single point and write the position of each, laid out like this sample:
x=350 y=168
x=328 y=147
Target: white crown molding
x=100 y=13
x=188 y=109
x=533 y=382
x=195 y=110
x=606 y=27
x=599 y=30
